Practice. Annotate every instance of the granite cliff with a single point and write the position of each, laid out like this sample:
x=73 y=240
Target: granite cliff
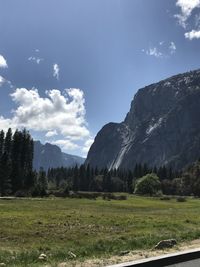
x=161 y=128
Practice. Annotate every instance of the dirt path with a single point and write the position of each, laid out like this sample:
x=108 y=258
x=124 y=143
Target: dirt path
x=131 y=256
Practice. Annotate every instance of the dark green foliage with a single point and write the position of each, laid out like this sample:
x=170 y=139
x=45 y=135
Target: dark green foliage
x=16 y=156
x=181 y=199
x=148 y=185
x=191 y=180
x=87 y=178
x=18 y=178
x=41 y=184
x=107 y=186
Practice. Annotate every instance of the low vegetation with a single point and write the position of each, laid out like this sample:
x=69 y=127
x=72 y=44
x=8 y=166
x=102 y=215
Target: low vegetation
x=68 y=229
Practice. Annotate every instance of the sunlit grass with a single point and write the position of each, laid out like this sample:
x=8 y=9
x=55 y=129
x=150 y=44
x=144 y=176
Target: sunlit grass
x=90 y=228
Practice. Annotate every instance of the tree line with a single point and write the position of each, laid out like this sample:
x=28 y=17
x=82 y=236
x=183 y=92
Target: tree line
x=18 y=178
x=16 y=164
x=86 y=178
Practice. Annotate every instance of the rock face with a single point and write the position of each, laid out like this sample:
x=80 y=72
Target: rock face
x=50 y=156
x=161 y=128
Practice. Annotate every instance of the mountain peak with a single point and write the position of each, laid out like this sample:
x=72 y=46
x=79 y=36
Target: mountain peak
x=161 y=128
x=50 y=156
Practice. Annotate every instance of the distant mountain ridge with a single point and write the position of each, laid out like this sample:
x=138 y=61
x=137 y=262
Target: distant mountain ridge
x=50 y=156
x=161 y=128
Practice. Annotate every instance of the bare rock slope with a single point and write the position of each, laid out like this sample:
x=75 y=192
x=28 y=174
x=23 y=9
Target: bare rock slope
x=161 y=128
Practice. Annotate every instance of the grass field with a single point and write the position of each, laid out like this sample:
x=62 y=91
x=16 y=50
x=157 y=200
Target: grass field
x=90 y=228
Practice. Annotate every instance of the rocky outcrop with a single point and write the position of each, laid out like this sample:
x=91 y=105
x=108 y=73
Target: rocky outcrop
x=50 y=156
x=163 y=244
x=161 y=128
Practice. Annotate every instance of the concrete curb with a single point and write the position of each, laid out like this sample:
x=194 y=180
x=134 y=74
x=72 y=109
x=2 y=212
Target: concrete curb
x=164 y=260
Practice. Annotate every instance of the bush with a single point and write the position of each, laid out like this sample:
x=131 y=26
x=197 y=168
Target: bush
x=165 y=198
x=88 y=195
x=38 y=191
x=148 y=185
x=22 y=193
x=181 y=199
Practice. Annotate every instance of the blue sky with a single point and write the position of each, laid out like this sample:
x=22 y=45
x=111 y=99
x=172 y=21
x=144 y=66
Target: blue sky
x=67 y=67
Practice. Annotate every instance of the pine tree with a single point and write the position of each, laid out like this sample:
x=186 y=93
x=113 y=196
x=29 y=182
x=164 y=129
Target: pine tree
x=75 y=181
x=5 y=182
x=8 y=143
x=130 y=182
x=2 y=135
x=83 y=178
x=16 y=172
x=6 y=164
x=42 y=182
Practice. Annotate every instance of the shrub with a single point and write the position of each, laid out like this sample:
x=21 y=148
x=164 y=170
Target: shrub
x=165 y=198
x=148 y=185
x=181 y=199
x=22 y=193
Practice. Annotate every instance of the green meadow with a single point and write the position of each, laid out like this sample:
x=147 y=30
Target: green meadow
x=77 y=229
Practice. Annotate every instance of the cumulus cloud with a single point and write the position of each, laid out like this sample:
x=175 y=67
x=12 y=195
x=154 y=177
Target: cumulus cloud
x=63 y=113
x=36 y=60
x=3 y=63
x=2 y=81
x=87 y=145
x=51 y=133
x=6 y=123
x=192 y=35
x=193 y=25
x=187 y=6
x=56 y=70
x=65 y=144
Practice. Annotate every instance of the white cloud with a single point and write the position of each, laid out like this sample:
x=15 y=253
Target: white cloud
x=162 y=50
x=37 y=50
x=187 y=6
x=6 y=123
x=36 y=60
x=2 y=80
x=65 y=144
x=87 y=145
x=56 y=71
x=192 y=35
x=3 y=63
x=154 y=52
x=172 y=48
x=51 y=133
x=63 y=113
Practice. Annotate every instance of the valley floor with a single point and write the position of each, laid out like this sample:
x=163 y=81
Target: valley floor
x=82 y=232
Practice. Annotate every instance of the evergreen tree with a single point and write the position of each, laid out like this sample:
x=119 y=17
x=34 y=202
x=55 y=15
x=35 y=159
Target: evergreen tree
x=16 y=172
x=42 y=182
x=8 y=143
x=130 y=182
x=2 y=135
x=6 y=164
x=82 y=178
x=107 y=186
x=75 y=181
x=5 y=182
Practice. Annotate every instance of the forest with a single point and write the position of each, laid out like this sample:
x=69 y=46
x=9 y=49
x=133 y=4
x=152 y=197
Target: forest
x=18 y=178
